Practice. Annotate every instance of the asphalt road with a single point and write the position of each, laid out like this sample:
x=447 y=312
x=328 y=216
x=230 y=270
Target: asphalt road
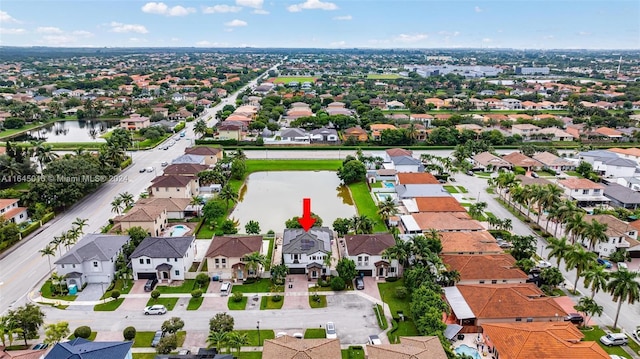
x=24 y=267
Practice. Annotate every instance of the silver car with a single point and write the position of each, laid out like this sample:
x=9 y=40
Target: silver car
x=331 y=331
x=158 y=309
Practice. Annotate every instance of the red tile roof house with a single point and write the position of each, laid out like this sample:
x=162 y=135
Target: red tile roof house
x=585 y=192
x=417 y=223
x=520 y=160
x=366 y=250
x=415 y=178
x=478 y=304
x=485 y=269
x=11 y=211
x=539 y=340
x=226 y=253
x=489 y=161
x=432 y=204
x=476 y=243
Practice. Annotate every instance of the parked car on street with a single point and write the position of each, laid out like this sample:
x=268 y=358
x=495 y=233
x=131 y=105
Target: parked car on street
x=374 y=340
x=156 y=338
x=331 y=331
x=614 y=339
x=604 y=262
x=158 y=309
x=574 y=318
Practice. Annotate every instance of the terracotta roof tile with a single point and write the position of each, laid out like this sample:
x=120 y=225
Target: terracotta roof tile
x=398 y=152
x=438 y=204
x=416 y=178
x=469 y=242
x=409 y=348
x=518 y=159
x=372 y=244
x=488 y=267
x=446 y=221
x=287 y=347
x=580 y=183
x=234 y=246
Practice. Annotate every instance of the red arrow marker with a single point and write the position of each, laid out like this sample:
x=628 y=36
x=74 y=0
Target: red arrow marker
x=306 y=221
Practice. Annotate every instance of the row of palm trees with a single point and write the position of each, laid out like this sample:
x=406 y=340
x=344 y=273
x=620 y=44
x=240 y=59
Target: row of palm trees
x=560 y=211
x=228 y=340
x=66 y=239
x=622 y=284
x=122 y=201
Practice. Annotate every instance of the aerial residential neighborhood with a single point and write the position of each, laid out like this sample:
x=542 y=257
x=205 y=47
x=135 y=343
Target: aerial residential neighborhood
x=247 y=179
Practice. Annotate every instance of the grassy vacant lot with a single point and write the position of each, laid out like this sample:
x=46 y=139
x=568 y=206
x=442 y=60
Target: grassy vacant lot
x=252 y=336
x=268 y=303
x=353 y=353
x=233 y=305
x=168 y=302
x=286 y=79
x=388 y=294
x=366 y=206
x=320 y=303
x=194 y=303
x=383 y=76
x=595 y=334
x=292 y=165
x=263 y=285
x=315 y=333
x=108 y=306
x=45 y=291
x=186 y=287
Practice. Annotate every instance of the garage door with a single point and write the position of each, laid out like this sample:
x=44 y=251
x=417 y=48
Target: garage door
x=151 y=275
x=366 y=273
x=297 y=270
x=98 y=279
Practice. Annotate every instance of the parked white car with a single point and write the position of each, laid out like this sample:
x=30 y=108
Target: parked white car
x=623 y=265
x=331 y=331
x=158 y=309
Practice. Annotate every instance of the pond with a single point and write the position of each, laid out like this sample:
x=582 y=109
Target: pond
x=71 y=131
x=271 y=198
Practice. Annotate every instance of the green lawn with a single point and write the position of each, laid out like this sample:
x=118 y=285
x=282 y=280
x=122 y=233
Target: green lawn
x=287 y=79
x=143 y=339
x=462 y=189
x=267 y=265
x=108 y=306
x=169 y=302
x=119 y=286
x=595 y=334
x=241 y=305
x=366 y=206
x=320 y=303
x=263 y=285
x=268 y=303
x=144 y=355
x=181 y=335
x=383 y=76
x=45 y=291
x=195 y=303
x=387 y=292
x=252 y=336
x=315 y=333
x=405 y=329
x=186 y=287
x=250 y=355
x=451 y=189
x=205 y=232
x=573 y=173
x=353 y=353
x=382 y=319
x=292 y=165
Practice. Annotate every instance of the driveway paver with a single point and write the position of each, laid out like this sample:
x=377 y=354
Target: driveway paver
x=371 y=287
x=296 y=292
x=214 y=303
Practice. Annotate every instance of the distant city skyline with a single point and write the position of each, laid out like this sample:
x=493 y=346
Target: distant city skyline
x=517 y=24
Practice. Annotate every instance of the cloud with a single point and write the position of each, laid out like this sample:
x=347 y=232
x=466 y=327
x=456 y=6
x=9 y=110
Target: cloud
x=206 y=43
x=161 y=8
x=256 y=4
x=338 y=43
x=410 y=38
x=48 y=30
x=220 y=9
x=584 y=33
x=549 y=37
x=486 y=39
x=260 y=12
x=449 y=33
x=343 y=18
x=137 y=40
x=59 y=39
x=82 y=33
x=6 y=18
x=6 y=31
x=123 y=28
x=236 y=23
x=478 y=9
x=312 y=5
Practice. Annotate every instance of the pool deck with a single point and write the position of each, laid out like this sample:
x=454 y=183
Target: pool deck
x=470 y=340
x=190 y=226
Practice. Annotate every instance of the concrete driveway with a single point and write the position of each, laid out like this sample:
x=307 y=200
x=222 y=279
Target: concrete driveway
x=90 y=293
x=297 y=297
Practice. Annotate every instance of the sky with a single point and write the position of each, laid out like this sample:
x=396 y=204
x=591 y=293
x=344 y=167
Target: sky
x=519 y=24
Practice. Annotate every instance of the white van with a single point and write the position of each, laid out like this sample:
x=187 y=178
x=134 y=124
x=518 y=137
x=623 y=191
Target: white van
x=225 y=289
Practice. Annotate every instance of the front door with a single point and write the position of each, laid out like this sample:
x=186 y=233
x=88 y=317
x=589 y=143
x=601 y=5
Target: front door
x=240 y=274
x=381 y=272
x=314 y=274
x=165 y=275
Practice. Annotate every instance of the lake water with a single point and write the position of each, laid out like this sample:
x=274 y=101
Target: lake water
x=72 y=131
x=271 y=198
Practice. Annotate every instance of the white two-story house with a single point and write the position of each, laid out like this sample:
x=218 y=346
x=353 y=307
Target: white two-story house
x=366 y=250
x=91 y=260
x=164 y=258
x=585 y=192
x=305 y=252
x=620 y=234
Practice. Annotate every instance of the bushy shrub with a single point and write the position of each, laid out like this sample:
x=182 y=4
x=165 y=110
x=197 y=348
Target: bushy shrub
x=115 y=294
x=276 y=298
x=129 y=333
x=337 y=284
x=155 y=294
x=401 y=292
x=196 y=293
x=237 y=297
x=391 y=279
x=82 y=332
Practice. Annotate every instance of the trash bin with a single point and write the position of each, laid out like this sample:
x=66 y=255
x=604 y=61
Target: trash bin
x=73 y=289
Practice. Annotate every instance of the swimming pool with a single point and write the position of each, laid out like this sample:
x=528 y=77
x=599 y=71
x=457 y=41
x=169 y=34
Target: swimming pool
x=384 y=196
x=388 y=184
x=467 y=350
x=178 y=230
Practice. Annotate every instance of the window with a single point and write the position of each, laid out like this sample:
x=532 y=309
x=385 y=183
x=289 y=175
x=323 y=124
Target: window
x=585 y=191
x=177 y=272
x=596 y=191
x=168 y=259
x=141 y=261
x=223 y=260
x=529 y=320
x=392 y=269
x=518 y=319
x=494 y=281
x=62 y=265
x=481 y=282
x=148 y=261
x=175 y=259
x=217 y=261
x=73 y=265
x=95 y=264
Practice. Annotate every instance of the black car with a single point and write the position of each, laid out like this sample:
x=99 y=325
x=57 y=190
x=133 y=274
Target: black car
x=151 y=283
x=574 y=318
x=156 y=338
x=359 y=283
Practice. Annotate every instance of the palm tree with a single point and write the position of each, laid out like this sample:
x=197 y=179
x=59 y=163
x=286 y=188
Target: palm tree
x=552 y=194
x=361 y=224
x=217 y=340
x=624 y=287
x=595 y=232
x=589 y=307
x=56 y=244
x=538 y=196
x=559 y=249
x=476 y=209
x=228 y=195
x=580 y=259
x=127 y=199
x=44 y=154
x=575 y=225
x=254 y=261
x=236 y=340
x=566 y=209
x=196 y=202
x=327 y=262
x=401 y=252
x=506 y=225
x=80 y=223
x=48 y=251
x=387 y=208
x=117 y=205
x=505 y=180
x=596 y=278
x=200 y=127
